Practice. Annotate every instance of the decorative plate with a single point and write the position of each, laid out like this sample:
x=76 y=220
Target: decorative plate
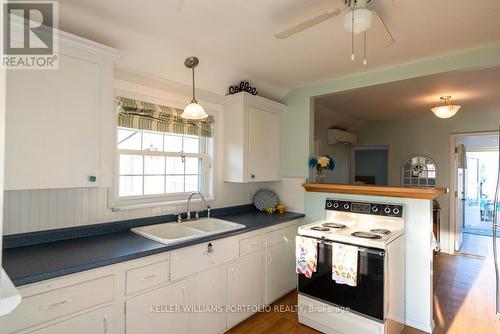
x=265 y=198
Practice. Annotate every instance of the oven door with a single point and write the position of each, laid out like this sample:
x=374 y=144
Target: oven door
x=366 y=298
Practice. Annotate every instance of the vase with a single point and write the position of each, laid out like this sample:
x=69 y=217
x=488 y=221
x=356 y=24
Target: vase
x=320 y=176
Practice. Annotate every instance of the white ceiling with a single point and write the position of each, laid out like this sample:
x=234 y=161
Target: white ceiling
x=234 y=39
x=474 y=90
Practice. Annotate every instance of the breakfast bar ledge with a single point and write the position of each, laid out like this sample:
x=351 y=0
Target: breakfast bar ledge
x=363 y=189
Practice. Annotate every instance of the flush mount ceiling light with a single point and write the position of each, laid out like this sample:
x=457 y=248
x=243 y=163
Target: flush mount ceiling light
x=447 y=110
x=193 y=110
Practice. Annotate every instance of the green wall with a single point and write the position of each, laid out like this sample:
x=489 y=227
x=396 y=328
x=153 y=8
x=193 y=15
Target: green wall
x=428 y=136
x=297 y=121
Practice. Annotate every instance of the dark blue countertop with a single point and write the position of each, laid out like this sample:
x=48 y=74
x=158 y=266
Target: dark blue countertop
x=37 y=262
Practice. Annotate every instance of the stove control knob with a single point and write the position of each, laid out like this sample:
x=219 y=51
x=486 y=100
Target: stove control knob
x=395 y=211
x=346 y=206
x=387 y=210
x=335 y=205
x=329 y=204
x=375 y=209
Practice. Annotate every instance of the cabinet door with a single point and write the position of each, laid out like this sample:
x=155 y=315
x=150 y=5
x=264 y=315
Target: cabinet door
x=264 y=145
x=98 y=321
x=280 y=270
x=140 y=319
x=209 y=289
x=53 y=126
x=245 y=285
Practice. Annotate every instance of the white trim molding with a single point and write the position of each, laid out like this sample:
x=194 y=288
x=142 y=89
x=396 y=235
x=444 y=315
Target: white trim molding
x=449 y=244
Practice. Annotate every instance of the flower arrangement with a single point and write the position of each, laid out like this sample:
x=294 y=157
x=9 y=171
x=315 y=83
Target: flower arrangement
x=320 y=164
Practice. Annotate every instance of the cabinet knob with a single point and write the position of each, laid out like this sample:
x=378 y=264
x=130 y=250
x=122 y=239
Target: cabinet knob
x=252 y=176
x=92 y=178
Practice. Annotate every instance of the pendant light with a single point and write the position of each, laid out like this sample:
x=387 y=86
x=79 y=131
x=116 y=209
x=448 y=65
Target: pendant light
x=447 y=110
x=193 y=110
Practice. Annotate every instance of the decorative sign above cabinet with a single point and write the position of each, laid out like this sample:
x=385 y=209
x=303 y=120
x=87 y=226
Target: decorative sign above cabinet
x=244 y=86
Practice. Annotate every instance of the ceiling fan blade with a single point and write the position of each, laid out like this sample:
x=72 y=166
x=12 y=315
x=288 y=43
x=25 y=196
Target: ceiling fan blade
x=380 y=30
x=308 y=23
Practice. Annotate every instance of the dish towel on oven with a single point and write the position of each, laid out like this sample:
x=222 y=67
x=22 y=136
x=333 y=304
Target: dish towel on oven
x=306 y=256
x=345 y=264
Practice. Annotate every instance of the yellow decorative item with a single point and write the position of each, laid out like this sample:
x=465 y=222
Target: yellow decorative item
x=281 y=208
x=270 y=210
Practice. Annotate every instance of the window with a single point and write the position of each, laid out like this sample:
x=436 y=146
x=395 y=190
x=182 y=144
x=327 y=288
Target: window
x=419 y=171
x=154 y=164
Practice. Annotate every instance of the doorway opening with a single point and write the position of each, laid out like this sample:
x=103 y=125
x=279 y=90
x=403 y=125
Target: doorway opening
x=371 y=165
x=477 y=170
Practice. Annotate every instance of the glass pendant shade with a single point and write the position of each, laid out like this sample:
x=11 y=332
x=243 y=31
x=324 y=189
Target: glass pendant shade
x=445 y=111
x=194 y=111
x=363 y=19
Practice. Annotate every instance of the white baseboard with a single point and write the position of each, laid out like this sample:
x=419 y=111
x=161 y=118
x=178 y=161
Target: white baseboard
x=428 y=328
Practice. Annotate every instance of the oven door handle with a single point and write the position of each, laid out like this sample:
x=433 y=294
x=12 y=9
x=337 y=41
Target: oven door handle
x=360 y=249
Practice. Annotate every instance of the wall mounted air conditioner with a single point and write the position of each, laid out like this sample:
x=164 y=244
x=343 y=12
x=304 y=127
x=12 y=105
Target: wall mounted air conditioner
x=336 y=136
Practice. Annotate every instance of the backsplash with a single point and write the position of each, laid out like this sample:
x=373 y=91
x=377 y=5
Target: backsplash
x=37 y=210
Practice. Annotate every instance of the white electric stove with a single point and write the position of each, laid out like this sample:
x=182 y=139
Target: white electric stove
x=364 y=224
x=377 y=303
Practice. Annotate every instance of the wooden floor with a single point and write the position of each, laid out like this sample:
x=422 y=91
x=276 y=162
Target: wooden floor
x=463 y=302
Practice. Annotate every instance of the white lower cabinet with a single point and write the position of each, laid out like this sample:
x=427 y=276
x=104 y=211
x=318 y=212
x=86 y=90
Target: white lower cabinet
x=149 y=313
x=244 y=286
x=280 y=265
x=99 y=321
x=231 y=278
x=209 y=290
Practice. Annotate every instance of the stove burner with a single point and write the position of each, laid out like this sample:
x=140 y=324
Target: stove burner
x=366 y=235
x=334 y=225
x=320 y=228
x=380 y=231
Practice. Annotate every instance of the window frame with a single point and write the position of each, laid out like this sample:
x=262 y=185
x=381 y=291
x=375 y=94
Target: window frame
x=202 y=146
x=207 y=188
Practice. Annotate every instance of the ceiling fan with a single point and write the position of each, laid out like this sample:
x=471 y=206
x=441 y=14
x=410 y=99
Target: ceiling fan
x=358 y=18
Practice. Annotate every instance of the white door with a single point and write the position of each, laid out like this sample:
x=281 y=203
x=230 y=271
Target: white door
x=264 y=145
x=244 y=286
x=460 y=198
x=209 y=288
x=140 y=319
x=96 y=322
x=280 y=270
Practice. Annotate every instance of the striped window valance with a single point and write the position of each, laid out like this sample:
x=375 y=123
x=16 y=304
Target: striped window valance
x=154 y=117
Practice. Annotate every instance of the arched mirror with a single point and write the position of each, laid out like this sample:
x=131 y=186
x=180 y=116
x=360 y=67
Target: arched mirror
x=419 y=171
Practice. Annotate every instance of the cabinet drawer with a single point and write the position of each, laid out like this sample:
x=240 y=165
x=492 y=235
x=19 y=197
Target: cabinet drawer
x=146 y=277
x=95 y=322
x=284 y=235
x=252 y=244
x=187 y=261
x=56 y=303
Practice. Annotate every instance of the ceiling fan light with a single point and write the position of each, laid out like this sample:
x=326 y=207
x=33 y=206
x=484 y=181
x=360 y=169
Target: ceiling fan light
x=363 y=19
x=446 y=111
x=194 y=111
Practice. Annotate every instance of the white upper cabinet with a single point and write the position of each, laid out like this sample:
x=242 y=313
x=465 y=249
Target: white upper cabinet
x=252 y=132
x=60 y=123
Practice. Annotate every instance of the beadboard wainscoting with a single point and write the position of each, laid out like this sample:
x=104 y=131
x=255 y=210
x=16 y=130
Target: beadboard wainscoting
x=38 y=210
